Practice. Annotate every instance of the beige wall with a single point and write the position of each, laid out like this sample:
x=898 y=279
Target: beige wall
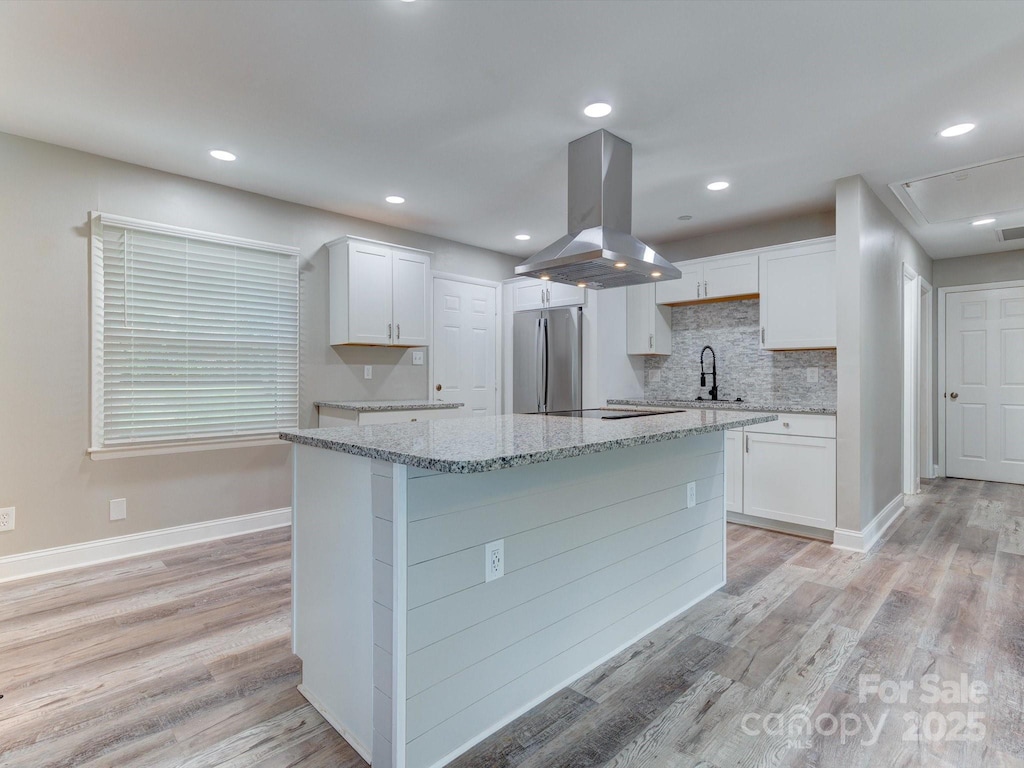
x=871 y=247
x=973 y=270
x=760 y=235
x=60 y=494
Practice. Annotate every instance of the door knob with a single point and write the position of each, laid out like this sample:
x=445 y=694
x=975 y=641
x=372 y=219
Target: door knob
x=438 y=387
x=953 y=395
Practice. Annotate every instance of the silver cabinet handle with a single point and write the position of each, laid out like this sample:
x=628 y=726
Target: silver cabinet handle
x=650 y=341
x=398 y=331
x=762 y=335
x=698 y=289
x=748 y=443
x=705 y=289
x=785 y=424
x=549 y=295
x=389 y=331
x=543 y=292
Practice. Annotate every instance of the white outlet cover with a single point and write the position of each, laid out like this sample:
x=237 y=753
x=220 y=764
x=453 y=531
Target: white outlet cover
x=654 y=375
x=494 y=560
x=417 y=357
x=367 y=371
x=691 y=495
x=7 y=519
x=812 y=375
x=118 y=509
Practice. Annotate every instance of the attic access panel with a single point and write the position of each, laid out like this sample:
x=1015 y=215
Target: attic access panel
x=969 y=193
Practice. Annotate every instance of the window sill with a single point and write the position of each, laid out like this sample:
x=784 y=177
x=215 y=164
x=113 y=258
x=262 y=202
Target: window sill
x=183 y=446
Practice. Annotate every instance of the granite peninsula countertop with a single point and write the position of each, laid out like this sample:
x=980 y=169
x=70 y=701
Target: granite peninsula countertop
x=384 y=405
x=498 y=442
x=727 y=405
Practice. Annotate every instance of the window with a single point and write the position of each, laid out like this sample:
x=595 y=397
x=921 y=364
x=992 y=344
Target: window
x=194 y=338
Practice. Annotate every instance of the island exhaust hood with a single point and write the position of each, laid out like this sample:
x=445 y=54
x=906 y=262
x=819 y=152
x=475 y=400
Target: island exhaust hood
x=599 y=251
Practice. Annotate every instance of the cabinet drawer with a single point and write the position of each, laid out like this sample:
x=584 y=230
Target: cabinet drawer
x=802 y=424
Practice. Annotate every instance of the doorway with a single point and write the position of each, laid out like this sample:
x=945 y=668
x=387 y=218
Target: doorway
x=464 y=355
x=918 y=452
x=982 y=368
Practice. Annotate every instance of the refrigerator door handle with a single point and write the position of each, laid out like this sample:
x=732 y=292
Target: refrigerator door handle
x=538 y=356
x=545 y=362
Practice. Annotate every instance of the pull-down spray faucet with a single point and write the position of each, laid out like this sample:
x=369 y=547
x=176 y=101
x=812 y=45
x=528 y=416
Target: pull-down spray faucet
x=713 y=392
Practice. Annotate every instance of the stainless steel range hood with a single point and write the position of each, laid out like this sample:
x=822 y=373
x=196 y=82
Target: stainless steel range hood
x=599 y=250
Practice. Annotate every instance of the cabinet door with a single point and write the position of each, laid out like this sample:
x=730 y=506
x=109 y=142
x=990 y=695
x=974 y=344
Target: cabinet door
x=562 y=295
x=689 y=287
x=411 y=299
x=734 y=470
x=730 y=276
x=798 y=297
x=529 y=294
x=791 y=479
x=648 y=326
x=369 y=294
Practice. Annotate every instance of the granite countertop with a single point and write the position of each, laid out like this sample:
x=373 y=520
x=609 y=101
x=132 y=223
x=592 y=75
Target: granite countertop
x=384 y=405
x=727 y=405
x=499 y=442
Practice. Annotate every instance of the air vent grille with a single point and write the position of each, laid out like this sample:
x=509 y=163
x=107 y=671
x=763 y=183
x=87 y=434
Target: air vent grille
x=1011 y=233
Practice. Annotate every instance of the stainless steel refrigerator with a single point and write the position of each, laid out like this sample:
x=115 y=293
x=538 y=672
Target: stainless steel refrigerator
x=547 y=360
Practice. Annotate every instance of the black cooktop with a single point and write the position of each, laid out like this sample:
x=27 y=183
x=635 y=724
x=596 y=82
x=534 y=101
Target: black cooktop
x=608 y=414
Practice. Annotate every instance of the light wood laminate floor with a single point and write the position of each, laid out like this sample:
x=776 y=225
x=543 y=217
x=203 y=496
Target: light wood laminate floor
x=182 y=659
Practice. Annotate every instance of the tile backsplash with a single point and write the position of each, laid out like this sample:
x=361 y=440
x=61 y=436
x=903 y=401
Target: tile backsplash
x=744 y=370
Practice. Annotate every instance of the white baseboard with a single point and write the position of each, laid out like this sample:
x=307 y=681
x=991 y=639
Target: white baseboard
x=104 y=550
x=549 y=693
x=863 y=541
x=353 y=742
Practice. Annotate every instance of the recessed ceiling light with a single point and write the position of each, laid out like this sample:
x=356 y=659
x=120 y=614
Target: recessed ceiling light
x=581 y=285
x=684 y=217
x=394 y=199
x=222 y=154
x=718 y=186
x=957 y=130
x=545 y=277
x=408 y=1
x=523 y=236
x=655 y=274
x=620 y=265
x=979 y=222
x=598 y=109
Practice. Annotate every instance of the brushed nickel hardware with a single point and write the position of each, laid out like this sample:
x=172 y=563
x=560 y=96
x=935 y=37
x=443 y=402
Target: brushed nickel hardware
x=954 y=395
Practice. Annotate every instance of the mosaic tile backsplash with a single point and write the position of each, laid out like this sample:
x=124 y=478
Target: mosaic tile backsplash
x=733 y=328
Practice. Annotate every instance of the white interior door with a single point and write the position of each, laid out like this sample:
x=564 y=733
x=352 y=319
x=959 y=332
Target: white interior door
x=465 y=345
x=984 y=388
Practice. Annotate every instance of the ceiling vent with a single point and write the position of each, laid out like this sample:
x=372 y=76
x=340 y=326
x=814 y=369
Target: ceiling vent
x=1010 y=233
x=968 y=193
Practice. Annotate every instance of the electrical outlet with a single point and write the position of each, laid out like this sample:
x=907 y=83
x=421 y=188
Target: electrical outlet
x=494 y=560
x=7 y=519
x=118 y=509
x=367 y=371
x=812 y=375
x=654 y=375
x=417 y=357
x=691 y=495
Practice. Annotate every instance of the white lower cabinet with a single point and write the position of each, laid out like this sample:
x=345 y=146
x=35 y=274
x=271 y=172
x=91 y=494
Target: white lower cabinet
x=343 y=417
x=784 y=471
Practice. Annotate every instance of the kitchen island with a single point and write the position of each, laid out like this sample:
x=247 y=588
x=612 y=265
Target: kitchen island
x=411 y=648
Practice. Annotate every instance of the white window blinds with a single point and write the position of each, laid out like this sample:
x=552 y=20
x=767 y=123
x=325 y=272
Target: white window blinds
x=195 y=335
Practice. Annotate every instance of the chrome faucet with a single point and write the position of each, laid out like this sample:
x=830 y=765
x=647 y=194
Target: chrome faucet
x=713 y=392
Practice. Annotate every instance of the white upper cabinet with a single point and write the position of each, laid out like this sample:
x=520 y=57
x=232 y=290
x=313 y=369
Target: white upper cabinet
x=379 y=294
x=798 y=296
x=715 y=278
x=648 y=325
x=530 y=293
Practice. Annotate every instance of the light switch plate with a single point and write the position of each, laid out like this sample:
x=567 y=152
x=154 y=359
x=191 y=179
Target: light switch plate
x=417 y=357
x=812 y=375
x=118 y=509
x=367 y=371
x=654 y=375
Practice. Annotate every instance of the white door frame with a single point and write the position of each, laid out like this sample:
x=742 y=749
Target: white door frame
x=497 y=331
x=927 y=405
x=943 y=292
x=911 y=395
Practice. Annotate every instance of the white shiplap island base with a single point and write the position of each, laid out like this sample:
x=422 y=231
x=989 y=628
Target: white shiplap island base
x=406 y=649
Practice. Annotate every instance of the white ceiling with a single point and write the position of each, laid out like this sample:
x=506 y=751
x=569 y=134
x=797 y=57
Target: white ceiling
x=465 y=107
